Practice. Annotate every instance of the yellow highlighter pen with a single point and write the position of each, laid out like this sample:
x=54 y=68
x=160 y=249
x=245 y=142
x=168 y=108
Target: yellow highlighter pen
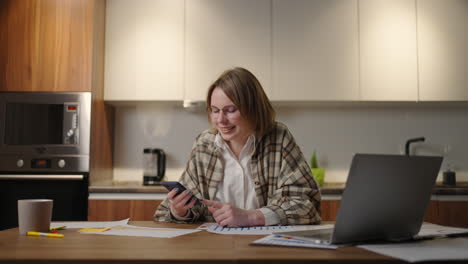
x=58 y=228
x=31 y=233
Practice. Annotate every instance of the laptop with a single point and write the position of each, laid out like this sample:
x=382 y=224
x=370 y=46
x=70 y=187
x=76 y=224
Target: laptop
x=385 y=199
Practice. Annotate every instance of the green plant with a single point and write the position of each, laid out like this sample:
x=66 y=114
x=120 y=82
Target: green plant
x=317 y=173
x=313 y=161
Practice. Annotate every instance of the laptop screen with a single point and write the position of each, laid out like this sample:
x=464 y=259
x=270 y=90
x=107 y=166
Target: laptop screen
x=385 y=198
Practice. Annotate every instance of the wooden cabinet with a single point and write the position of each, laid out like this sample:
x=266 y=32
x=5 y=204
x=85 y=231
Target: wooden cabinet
x=58 y=46
x=448 y=213
x=46 y=46
x=443 y=57
x=144 y=50
x=112 y=210
x=453 y=213
x=315 y=50
x=388 y=50
x=221 y=34
x=330 y=211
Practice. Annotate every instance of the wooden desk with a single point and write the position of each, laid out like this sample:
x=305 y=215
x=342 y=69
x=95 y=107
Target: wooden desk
x=200 y=247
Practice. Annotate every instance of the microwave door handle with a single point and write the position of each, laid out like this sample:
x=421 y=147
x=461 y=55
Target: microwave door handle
x=41 y=177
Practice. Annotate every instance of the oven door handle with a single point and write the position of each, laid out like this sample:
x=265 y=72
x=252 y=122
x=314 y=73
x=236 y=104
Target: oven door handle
x=40 y=177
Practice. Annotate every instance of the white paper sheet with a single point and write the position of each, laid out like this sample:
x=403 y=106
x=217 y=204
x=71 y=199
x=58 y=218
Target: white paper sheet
x=287 y=241
x=90 y=224
x=260 y=230
x=432 y=230
x=439 y=249
x=428 y=250
x=129 y=230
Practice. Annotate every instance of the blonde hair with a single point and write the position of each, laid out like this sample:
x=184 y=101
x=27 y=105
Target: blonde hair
x=246 y=92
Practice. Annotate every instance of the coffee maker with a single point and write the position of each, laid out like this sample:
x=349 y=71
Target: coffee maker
x=154 y=166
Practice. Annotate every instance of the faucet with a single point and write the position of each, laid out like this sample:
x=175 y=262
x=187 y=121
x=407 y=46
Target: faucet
x=412 y=140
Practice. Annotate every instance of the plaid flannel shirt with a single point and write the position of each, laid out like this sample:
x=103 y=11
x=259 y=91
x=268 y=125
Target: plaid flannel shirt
x=282 y=177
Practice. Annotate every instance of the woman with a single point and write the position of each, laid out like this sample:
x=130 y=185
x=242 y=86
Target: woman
x=248 y=169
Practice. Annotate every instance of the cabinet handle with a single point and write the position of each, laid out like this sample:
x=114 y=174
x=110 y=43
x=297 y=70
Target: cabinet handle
x=40 y=177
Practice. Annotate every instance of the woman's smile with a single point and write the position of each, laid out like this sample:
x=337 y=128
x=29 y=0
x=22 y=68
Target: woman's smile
x=227 y=119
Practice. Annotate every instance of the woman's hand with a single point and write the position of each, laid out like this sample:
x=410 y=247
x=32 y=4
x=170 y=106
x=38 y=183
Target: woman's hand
x=179 y=205
x=232 y=216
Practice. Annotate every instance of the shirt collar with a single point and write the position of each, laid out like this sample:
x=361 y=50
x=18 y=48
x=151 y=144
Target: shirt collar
x=249 y=144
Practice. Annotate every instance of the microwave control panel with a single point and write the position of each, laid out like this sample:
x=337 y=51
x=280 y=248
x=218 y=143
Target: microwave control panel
x=71 y=123
x=33 y=163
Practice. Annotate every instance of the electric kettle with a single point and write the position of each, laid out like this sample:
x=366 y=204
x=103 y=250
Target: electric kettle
x=154 y=166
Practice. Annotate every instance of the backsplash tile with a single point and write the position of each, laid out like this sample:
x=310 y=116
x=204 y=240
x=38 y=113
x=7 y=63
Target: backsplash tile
x=335 y=132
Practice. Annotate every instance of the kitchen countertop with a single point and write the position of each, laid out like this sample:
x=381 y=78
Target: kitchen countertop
x=328 y=189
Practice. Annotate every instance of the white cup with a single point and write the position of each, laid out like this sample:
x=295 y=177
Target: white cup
x=34 y=215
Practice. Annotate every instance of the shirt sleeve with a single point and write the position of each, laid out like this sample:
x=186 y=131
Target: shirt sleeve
x=270 y=217
x=186 y=217
x=296 y=199
x=191 y=181
x=196 y=213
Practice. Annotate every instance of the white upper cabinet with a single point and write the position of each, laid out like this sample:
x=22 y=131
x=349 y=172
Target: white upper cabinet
x=144 y=50
x=388 y=50
x=300 y=50
x=221 y=34
x=443 y=55
x=315 y=50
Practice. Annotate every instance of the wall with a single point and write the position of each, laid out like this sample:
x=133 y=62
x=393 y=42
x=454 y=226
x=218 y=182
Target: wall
x=335 y=131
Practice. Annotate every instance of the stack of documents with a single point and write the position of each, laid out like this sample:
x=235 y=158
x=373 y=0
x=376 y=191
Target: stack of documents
x=89 y=224
x=446 y=245
x=122 y=228
x=288 y=241
x=129 y=230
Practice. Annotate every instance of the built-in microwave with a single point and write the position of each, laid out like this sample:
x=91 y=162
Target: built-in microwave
x=47 y=132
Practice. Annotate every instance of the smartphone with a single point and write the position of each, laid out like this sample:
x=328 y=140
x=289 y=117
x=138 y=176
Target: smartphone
x=180 y=188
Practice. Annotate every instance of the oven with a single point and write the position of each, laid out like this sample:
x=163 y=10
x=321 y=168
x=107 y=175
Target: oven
x=69 y=192
x=44 y=153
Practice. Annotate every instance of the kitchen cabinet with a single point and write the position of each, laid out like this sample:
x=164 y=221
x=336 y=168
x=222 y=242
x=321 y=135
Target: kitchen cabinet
x=315 y=50
x=448 y=213
x=143 y=210
x=335 y=50
x=112 y=210
x=144 y=50
x=388 y=50
x=330 y=211
x=453 y=213
x=58 y=46
x=47 y=46
x=443 y=59
x=221 y=34
x=432 y=214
